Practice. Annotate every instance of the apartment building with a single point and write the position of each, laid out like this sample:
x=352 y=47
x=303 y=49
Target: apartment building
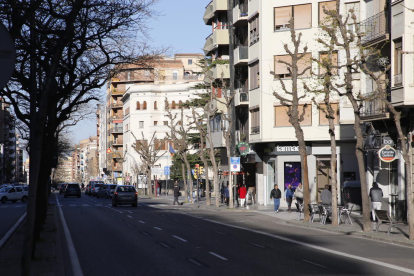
x=135 y=105
x=10 y=161
x=389 y=26
x=85 y=161
x=260 y=31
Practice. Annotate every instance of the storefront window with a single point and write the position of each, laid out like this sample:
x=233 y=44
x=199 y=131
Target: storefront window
x=292 y=174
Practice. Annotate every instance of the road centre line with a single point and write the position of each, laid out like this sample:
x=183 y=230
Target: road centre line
x=316 y=264
x=129 y=216
x=346 y=255
x=141 y=221
x=181 y=239
x=11 y=231
x=76 y=268
x=157 y=228
x=257 y=245
x=218 y=256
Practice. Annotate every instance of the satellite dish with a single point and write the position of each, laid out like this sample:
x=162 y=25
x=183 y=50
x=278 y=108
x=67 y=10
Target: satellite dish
x=7 y=56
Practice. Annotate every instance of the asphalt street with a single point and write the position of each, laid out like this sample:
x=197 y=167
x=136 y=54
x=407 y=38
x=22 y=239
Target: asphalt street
x=10 y=213
x=157 y=238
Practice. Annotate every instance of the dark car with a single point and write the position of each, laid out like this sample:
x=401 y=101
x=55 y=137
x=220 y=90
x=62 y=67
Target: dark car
x=125 y=194
x=106 y=191
x=87 y=189
x=72 y=189
x=62 y=188
x=94 y=187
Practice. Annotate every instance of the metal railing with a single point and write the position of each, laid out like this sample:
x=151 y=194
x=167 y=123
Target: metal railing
x=374 y=27
x=375 y=107
x=255 y=129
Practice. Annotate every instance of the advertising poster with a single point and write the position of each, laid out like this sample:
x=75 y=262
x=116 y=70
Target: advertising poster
x=292 y=174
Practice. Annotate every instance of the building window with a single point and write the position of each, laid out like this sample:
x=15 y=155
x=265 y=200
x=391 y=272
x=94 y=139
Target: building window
x=255 y=120
x=302 y=17
x=324 y=58
x=398 y=62
x=190 y=61
x=254 y=76
x=144 y=106
x=180 y=105
x=254 y=30
x=155 y=105
x=165 y=123
x=173 y=105
x=175 y=75
x=323 y=17
x=281 y=69
x=155 y=123
x=352 y=8
x=322 y=116
x=282 y=117
x=141 y=124
x=138 y=106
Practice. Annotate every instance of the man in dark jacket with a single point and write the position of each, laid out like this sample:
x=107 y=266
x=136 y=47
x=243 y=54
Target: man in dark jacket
x=276 y=194
x=376 y=196
x=176 y=193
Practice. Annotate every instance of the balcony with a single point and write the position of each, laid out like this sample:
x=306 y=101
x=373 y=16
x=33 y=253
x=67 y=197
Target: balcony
x=119 y=129
x=375 y=29
x=374 y=110
x=221 y=71
x=218 y=37
x=212 y=7
x=116 y=117
x=241 y=56
x=241 y=97
x=240 y=14
x=116 y=105
x=255 y=130
x=173 y=79
x=116 y=142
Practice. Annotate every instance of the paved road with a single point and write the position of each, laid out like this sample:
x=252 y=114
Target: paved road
x=9 y=215
x=157 y=238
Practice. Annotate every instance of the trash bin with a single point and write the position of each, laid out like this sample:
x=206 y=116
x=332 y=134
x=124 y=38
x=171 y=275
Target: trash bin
x=351 y=194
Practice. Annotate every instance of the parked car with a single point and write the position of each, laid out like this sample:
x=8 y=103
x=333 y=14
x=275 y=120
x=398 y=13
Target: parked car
x=94 y=187
x=13 y=194
x=62 y=188
x=72 y=189
x=125 y=194
x=106 y=191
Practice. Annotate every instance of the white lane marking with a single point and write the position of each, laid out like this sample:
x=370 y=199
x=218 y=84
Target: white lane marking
x=129 y=216
x=129 y=212
x=316 y=264
x=181 y=239
x=76 y=268
x=11 y=231
x=141 y=221
x=195 y=262
x=218 y=256
x=257 y=245
x=158 y=228
x=358 y=258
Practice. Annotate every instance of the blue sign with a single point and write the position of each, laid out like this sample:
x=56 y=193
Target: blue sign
x=167 y=170
x=235 y=164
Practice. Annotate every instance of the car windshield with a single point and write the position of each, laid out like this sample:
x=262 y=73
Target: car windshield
x=73 y=186
x=126 y=189
x=4 y=190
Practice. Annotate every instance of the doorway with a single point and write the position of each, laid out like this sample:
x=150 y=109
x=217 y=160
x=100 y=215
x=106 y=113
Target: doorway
x=323 y=171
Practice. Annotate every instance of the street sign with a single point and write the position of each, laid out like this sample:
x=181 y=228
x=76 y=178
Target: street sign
x=127 y=179
x=235 y=164
x=157 y=171
x=167 y=170
x=387 y=154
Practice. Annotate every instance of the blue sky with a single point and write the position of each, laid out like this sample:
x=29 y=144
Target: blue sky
x=180 y=26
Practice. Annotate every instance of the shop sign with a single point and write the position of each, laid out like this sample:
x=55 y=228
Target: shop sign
x=386 y=140
x=234 y=164
x=243 y=148
x=289 y=150
x=387 y=153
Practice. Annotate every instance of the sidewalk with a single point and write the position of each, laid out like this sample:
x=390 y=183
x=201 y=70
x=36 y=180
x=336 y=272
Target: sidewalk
x=398 y=235
x=48 y=259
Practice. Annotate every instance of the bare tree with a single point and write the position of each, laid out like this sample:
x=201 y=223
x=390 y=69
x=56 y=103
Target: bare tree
x=149 y=153
x=290 y=99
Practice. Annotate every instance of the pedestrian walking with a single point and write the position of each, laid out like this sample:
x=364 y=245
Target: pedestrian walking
x=276 y=194
x=289 y=194
x=242 y=195
x=223 y=195
x=227 y=194
x=299 y=194
x=158 y=187
x=375 y=193
x=176 y=193
x=237 y=194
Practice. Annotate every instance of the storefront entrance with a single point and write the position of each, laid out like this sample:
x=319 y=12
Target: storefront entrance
x=323 y=170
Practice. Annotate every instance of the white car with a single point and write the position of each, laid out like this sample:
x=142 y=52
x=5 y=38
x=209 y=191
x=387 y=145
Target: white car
x=13 y=194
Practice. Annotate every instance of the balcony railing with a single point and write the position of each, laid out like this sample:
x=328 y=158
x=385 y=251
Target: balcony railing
x=255 y=129
x=116 y=130
x=116 y=105
x=373 y=109
x=398 y=80
x=243 y=52
x=374 y=28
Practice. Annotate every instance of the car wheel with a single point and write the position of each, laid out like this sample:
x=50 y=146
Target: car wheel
x=3 y=199
x=24 y=199
x=14 y=201
x=134 y=205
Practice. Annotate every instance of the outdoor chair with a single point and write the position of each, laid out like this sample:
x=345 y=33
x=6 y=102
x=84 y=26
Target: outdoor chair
x=325 y=212
x=345 y=212
x=384 y=217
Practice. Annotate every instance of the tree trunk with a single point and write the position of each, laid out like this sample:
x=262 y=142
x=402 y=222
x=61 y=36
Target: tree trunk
x=333 y=168
x=231 y=184
x=190 y=182
x=184 y=179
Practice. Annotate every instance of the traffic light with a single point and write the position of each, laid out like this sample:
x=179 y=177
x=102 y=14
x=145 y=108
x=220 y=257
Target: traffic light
x=201 y=170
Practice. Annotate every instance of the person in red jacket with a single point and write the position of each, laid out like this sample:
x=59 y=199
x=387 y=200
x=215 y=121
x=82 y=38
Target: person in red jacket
x=242 y=194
